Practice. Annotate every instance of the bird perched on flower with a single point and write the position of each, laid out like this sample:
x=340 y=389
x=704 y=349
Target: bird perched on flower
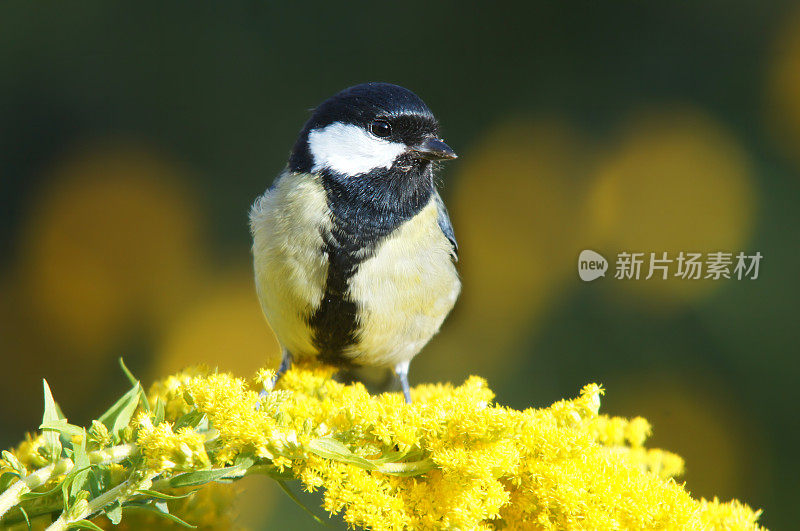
x=353 y=250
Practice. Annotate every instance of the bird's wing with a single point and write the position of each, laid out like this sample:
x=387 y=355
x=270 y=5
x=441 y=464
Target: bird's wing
x=445 y=225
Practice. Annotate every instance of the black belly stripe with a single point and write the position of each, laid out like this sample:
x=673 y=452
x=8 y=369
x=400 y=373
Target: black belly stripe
x=364 y=210
x=334 y=322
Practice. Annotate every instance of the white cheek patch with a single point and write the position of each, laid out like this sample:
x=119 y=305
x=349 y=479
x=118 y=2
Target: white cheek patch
x=349 y=149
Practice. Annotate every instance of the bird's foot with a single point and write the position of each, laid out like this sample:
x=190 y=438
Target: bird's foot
x=401 y=370
x=286 y=364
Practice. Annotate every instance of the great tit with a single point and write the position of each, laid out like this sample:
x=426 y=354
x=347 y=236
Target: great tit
x=353 y=250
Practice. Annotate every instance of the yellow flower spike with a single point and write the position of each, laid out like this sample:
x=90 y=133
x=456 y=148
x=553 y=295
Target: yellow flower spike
x=164 y=449
x=27 y=452
x=263 y=375
x=590 y=398
x=730 y=515
x=637 y=431
x=451 y=459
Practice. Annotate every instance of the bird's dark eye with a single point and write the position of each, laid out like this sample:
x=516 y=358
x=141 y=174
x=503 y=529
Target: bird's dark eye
x=381 y=128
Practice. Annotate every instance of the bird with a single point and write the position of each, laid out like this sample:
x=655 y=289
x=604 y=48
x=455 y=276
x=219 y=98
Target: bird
x=354 y=254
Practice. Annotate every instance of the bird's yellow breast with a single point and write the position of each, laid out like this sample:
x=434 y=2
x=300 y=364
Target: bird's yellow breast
x=290 y=269
x=402 y=291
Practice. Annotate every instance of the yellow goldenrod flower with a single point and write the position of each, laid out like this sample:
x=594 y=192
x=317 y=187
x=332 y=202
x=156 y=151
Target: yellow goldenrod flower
x=451 y=459
x=164 y=449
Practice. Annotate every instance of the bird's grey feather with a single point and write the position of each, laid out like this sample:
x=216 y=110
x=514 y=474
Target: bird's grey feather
x=445 y=225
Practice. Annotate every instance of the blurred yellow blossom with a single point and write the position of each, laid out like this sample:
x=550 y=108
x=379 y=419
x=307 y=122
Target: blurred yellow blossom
x=223 y=327
x=209 y=509
x=676 y=180
x=115 y=235
x=513 y=187
x=451 y=459
x=721 y=441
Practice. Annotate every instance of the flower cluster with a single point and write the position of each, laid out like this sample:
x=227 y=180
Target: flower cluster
x=451 y=459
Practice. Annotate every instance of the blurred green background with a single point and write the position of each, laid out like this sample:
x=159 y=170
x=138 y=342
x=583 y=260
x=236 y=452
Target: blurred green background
x=133 y=139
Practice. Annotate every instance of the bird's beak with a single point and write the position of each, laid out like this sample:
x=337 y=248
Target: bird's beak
x=434 y=149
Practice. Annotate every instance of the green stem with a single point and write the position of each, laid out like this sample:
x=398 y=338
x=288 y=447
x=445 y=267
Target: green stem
x=12 y=517
x=121 y=492
x=411 y=467
x=11 y=497
x=113 y=454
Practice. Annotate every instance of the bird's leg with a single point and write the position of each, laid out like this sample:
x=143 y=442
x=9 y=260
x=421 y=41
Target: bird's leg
x=286 y=364
x=401 y=370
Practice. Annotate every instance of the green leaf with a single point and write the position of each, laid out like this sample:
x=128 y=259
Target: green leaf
x=60 y=413
x=332 y=449
x=191 y=419
x=14 y=463
x=83 y=524
x=7 y=478
x=82 y=465
x=114 y=512
x=131 y=378
x=61 y=426
x=119 y=415
x=244 y=461
x=25 y=516
x=201 y=477
x=415 y=470
x=34 y=495
x=165 y=515
x=135 y=381
x=51 y=414
x=160 y=412
x=162 y=496
x=390 y=457
x=294 y=498
x=65 y=494
x=99 y=480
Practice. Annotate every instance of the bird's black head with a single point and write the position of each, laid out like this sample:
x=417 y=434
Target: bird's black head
x=372 y=126
x=374 y=145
